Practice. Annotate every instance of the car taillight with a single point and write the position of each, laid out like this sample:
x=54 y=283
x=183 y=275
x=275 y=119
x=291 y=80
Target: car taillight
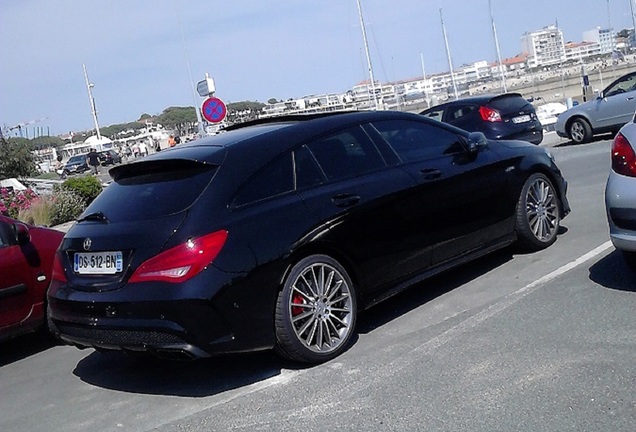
x=489 y=114
x=623 y=157
x=58 y=271
x=182 y=262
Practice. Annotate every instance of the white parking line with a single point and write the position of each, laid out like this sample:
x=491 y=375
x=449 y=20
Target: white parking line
x=431 y=345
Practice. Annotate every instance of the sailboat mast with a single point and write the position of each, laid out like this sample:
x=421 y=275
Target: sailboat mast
x=494 y=33
x=366 y=50
x=91 y=100
x=450 y=63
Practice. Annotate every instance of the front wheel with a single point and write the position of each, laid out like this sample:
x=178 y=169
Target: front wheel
x=580 y=131
x=315 y=311
x=537 y=214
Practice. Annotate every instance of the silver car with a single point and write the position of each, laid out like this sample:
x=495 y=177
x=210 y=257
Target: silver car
x=613 y=107
x=620 y=193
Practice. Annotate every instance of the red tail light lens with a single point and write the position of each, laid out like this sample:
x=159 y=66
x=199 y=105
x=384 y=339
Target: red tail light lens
x=489 y=114
x=58 y=271
x=623 y=157
x=181 y=262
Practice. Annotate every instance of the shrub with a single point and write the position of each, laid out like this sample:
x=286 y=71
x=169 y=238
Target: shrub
x=12 y=202
x=86 y=187
x=40 y=211
x=67 y=205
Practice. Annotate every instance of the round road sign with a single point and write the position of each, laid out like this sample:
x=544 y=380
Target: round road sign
x=213 y=110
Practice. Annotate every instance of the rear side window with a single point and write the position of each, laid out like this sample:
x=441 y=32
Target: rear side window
x=413 y=141
x=152 y=194
x=346 y=154
x=275 y=179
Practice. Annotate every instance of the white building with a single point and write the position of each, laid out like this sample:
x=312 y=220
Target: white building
x=579 y=51
x=603 y=37
x=544 y=47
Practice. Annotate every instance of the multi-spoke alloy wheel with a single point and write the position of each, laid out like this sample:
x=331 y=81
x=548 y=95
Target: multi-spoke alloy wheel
x=538 y=216
x=316 y=310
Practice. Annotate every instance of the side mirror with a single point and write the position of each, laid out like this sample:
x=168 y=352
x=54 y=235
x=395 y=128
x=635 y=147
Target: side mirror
x=21 y=233
x=476 y=140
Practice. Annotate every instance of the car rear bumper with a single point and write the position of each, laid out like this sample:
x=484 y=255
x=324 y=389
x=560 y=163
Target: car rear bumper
x=620 y=203
x=179 y=323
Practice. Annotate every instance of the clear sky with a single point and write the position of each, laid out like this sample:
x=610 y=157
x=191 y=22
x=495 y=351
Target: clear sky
x=135 y=51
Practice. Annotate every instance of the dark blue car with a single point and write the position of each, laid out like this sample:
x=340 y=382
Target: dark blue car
x=504 y=116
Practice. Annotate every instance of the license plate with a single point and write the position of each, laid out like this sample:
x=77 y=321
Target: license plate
x=98 y=262
x=521 y=119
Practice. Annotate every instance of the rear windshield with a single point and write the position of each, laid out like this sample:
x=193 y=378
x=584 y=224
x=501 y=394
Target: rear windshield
x=153 y=194
x=508 y=103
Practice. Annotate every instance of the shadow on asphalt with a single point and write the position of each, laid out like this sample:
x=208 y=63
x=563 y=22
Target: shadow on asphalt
x=612 y=272
x=199 y=378
x=431 y=288
x=596 y=138
x=25 y=346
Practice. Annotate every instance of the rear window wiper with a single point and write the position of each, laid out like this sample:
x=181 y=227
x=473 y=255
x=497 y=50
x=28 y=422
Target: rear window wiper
x=95 y=216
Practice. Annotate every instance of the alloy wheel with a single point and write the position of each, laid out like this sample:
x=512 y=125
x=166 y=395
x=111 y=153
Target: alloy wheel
x=321 y=308
x=542 y=209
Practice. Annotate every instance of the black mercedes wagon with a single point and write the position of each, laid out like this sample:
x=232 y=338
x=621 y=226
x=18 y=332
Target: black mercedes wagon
x=275 y=233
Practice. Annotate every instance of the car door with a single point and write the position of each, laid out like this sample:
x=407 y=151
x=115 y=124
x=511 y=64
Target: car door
x=344 y=180
x=16 y=278
x=617 y=105
x=461 y=194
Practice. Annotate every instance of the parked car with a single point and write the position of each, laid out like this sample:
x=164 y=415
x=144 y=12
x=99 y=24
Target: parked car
x=75 y=165
x=613 y=107
x=620 y=193
x=109 y=157
x=275 y=233
x=503 y=116
x=26 y=262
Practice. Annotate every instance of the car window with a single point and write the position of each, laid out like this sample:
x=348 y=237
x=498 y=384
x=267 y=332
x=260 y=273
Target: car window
x=435 y=114
x=414 y=141
x=625 y=84
x=275 y=179
x=153 y=190
x=457 y=112
x=346 y=154
x=308 y=173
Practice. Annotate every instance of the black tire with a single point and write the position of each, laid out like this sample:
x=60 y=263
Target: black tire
x=537 y=215
x=580 y=131
x=630 y=259
x=315 y=311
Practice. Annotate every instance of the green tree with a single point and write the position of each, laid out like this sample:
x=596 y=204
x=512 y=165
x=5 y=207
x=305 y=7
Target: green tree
x=16 y=159
x=181 y=118
x=272 y=101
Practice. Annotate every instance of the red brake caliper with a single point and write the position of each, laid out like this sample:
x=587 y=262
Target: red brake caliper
x=297 y=299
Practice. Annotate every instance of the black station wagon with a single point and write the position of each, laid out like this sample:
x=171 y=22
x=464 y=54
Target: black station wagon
x=275 y=233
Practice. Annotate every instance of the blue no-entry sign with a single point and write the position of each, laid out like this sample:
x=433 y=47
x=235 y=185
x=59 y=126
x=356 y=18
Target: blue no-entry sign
x=213 y=110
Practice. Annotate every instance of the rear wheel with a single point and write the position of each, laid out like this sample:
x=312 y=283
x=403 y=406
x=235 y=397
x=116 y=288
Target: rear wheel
x=315 y=311
x=538 y=217
x=580 y=131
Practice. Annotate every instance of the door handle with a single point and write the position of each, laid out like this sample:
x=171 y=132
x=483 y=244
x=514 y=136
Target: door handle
x=345 y=200
x=431 y=173
x=630 y=97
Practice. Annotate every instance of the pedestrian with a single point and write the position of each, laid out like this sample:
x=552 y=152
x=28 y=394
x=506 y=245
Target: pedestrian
x=92 y=159
x=171 y=141
x=143 y=149
x=157 y=145
x=135 y=149
x=177 y=140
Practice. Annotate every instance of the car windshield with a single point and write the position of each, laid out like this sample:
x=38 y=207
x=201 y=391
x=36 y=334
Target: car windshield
x=160 y=190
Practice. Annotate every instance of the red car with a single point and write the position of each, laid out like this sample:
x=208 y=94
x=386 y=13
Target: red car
x=26 y=263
